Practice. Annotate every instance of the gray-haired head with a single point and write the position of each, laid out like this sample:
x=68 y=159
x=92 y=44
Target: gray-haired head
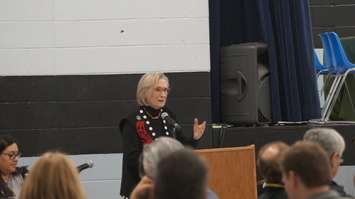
x=329 y=139
x=154 y=152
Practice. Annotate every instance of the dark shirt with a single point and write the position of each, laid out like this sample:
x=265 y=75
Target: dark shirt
x=270 y=192
x=325 y=195
x=339 y=189
x=139 y=128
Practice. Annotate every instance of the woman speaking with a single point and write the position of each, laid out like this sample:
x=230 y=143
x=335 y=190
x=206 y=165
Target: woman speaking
x=150 y=121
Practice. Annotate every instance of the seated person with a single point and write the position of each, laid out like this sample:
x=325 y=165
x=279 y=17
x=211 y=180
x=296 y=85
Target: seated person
x=52 y=176
x=181 y=175
x=306 y=172
x=151 y=155
x=269 y=158
x=12 y=176
x=333 y=143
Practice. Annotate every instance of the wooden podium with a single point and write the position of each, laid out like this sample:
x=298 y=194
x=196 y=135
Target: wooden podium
x=232 y=171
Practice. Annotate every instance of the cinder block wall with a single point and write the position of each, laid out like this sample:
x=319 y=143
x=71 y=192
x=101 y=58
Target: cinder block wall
x=69 y=69
x=332 y=15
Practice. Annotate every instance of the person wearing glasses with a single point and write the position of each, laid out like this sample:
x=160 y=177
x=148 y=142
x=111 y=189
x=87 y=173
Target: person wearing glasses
x=147 y=123
x=12 y=176
x=333 y=143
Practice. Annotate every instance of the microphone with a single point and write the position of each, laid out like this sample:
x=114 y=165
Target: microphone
x=84 y=166
x=171 y=121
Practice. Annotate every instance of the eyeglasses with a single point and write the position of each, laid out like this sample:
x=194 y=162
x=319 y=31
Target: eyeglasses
x=160 y=89
x=12 y=155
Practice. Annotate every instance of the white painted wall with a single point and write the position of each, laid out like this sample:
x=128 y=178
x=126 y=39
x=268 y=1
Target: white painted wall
x=58 y=37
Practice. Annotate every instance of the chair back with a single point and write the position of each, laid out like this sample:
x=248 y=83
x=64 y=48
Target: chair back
x=328 y=54
x=342 y=62
x=320 y=68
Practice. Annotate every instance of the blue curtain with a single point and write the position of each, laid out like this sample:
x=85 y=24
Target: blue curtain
x=215 y=45
x=286 y=28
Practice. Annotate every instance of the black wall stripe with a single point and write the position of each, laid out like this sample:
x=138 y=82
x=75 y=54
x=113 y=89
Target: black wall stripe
x=80 y=114
x=332 y=15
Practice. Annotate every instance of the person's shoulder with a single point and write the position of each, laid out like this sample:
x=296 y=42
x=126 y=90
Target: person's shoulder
x=129 y=118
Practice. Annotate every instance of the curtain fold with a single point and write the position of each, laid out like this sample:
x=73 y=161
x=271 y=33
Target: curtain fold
x=215 y=45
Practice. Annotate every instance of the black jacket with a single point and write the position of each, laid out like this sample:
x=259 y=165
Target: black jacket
x=273 y=193
x=138 y=129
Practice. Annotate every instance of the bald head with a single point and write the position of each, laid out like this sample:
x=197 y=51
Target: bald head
x=269 y=158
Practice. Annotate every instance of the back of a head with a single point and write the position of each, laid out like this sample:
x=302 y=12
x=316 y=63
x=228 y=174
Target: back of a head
x=269 y=160
x=181 y=175
x=154 y=152
x=329 y=139
x=53 y=176
x=308 y=161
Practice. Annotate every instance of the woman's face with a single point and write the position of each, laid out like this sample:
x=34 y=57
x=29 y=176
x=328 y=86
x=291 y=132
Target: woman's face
x=9 y=158
x=158 y=95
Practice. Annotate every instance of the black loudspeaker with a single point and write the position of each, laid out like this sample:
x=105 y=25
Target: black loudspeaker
x=245 y=84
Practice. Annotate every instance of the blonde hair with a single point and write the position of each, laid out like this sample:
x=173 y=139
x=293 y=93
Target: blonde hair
x=53 y=176
x=146 y=85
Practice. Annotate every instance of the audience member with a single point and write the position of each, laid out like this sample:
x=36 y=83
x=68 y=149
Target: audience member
x=268 y=162
x=12 y=176
x=306 y=172
x=151 y=155
x=53 y=176
x=333 y=143
x=181 y=175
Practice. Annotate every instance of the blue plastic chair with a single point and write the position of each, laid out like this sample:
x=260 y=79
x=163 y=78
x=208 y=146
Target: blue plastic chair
x=328 y=55
x=339 y=66
x=321 y=69
x=328 y=66
x=341 y=61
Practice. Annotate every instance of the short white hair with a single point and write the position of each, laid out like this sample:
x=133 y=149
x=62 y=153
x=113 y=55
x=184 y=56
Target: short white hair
x=154 y=152
x=329 y=139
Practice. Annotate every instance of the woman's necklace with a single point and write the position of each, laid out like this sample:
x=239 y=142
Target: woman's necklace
x=141 y=116
x=151 y=116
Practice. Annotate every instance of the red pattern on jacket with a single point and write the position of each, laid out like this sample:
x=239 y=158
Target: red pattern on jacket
x=142 y=133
